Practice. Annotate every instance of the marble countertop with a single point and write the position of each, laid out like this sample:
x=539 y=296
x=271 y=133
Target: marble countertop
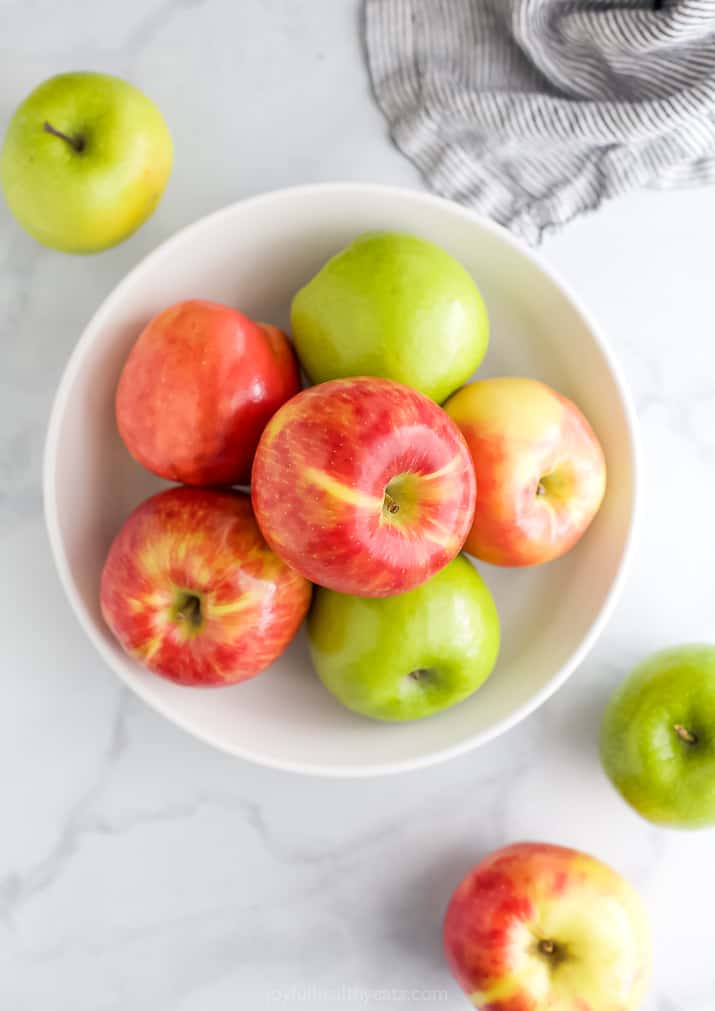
x=138 y=868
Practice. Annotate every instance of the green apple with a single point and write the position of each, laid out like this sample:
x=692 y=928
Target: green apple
x=394 y=306
x=85 y=160
x=658 y=737
x=411 y=655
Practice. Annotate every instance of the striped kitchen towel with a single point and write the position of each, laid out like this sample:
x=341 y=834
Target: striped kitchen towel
x=534 y=111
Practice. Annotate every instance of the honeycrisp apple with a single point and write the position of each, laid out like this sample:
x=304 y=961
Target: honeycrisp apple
x=658 y=737
x=192 y=591
x=396 y=306
x=410 y=655
x=540 y=469
x=85 y=161
x=364 y=486
x=197 y=389
x=536 y=927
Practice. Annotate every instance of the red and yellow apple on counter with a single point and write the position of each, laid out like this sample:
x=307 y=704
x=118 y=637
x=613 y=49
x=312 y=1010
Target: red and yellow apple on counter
x=537 y=927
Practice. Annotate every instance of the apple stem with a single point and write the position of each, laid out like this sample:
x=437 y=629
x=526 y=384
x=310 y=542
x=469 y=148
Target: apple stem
x=540 y=490
x=684 y=734
x=75 y=142
x=547 y=947
x=390 y=504
x=191 y=610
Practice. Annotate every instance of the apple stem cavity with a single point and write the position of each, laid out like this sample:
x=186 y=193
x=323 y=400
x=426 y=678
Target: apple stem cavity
x=190 y=610
x=420 y=674
x=553 y=952
x=684 y=734
x=540 y=489
x=390 y=505
x=77 y=143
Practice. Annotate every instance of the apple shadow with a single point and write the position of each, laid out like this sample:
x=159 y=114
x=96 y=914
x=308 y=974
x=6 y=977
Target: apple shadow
x=573 y=717
x=416 y=914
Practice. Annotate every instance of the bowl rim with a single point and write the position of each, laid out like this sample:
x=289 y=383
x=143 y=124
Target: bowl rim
x=50 y=460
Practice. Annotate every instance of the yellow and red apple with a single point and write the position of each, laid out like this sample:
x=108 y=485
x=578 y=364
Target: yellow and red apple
x=191 y=589
x=364 y=486
x=536 y=927
x=540 y=469
x=197 y=389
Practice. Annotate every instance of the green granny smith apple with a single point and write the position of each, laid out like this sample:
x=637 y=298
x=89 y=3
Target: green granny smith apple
x=394 y=306
x=85 y=160
x=658 y=737
x=411 y=655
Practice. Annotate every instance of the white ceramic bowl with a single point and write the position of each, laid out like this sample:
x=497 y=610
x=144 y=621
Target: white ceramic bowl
x=255 y=255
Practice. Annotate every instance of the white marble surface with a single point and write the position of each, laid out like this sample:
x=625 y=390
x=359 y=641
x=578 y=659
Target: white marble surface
x=140 y=870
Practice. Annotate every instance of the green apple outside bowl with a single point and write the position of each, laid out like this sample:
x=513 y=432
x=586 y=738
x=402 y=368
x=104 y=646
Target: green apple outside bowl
x=85 y=161
x=658 y=737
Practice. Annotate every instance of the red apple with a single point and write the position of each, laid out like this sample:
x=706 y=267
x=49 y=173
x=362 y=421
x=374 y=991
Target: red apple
x=364 y=486
x=536 y=927
x=540 y=469
x=191 y=589
x=197 y=389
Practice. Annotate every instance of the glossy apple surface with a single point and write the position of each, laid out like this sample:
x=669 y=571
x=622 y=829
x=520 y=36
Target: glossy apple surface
x=658 y=737
x=193 y=592
x=540 y=469
x=85 y=161
x=197 y=389
x=536 y=927
x=396 y=306
x=410 y=655
x=364 y=486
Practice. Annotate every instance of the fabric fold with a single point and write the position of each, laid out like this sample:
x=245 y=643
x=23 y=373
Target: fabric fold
x=535 y=111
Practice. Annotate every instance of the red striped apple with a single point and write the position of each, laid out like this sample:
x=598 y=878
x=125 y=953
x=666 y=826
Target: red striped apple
x=536 y=927
x=540 y=469
x=197 y=389
x=191 y=589
x=364 y=486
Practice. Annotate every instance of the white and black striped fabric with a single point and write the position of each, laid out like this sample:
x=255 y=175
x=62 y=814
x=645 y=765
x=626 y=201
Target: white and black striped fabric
x=534 y=111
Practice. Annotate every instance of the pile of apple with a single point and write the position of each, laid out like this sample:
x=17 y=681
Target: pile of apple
x=364 y=486
x=361 y=484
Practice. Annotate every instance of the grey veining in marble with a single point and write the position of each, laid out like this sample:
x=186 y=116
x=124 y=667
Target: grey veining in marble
x=140 y=870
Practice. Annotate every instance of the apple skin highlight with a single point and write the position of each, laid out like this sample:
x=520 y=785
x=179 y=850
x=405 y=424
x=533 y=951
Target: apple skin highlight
x=198 y=387
x=394 y=305
x=540 y=469
x=193 y=592
x=364 y=486
x=411 y=655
